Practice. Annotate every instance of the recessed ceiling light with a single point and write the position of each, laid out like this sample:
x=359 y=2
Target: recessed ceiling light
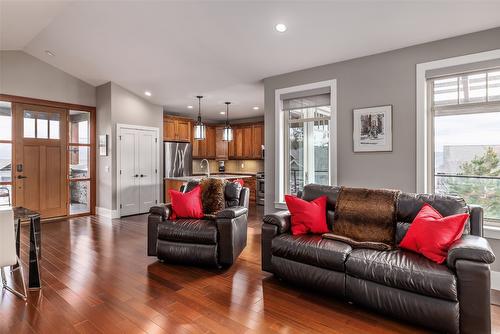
x=280 y=27
x=147 y=93
x=190 y=107
x=222 y=113
x=50 y=53
x=255 y=108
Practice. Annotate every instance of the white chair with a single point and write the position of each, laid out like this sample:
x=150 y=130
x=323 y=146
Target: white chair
x=8 y=256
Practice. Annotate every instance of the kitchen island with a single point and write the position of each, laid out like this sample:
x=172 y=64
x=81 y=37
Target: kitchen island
x=176 y=182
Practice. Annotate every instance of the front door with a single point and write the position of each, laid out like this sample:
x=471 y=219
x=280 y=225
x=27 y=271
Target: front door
x=40 y=159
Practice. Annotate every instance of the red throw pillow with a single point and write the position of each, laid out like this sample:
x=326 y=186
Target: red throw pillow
x=307 y=217
x=431 y=234
x=186 y=205
x=240 y=181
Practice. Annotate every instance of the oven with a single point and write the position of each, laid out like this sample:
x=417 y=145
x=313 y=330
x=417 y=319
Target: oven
x=260 y=188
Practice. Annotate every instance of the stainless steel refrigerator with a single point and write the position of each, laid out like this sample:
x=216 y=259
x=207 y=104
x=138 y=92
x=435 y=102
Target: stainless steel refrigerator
x=178 y=159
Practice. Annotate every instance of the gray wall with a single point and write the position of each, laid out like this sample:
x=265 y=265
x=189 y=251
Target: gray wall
x=116 y=105
x=104 y=180
x=24 y=75
x=386 y=78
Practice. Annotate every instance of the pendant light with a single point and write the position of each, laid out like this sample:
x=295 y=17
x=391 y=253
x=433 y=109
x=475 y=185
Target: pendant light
x=227 y=135
x=199 y=127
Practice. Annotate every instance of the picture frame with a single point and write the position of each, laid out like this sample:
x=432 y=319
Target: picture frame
x=372 y=129
x=103 y=145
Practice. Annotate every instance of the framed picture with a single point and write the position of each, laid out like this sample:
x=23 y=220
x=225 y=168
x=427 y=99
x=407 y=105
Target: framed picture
x=372 y=129
x=103 y=145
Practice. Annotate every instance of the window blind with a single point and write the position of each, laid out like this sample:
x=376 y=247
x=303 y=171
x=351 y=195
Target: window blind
x=313 y=101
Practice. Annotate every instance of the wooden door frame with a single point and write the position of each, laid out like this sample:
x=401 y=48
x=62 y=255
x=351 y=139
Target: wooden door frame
x=158 y=184
x=13 y=99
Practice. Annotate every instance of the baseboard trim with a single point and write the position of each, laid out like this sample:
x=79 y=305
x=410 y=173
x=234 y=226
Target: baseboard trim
x=103 y=212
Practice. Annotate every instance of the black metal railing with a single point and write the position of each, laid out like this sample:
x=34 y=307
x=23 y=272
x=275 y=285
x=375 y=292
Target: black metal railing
x=482 y=190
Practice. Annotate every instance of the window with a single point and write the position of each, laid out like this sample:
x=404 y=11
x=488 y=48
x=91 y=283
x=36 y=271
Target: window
x=79 y=161
x=466 y=138
x=41 y=125
x=306 y=125
x=5 y=153
x=308 y=153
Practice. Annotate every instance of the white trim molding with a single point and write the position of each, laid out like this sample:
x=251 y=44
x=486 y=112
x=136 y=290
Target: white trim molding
x=422 y=177
x=279 y=121
x=495 y=280
x=107 y=213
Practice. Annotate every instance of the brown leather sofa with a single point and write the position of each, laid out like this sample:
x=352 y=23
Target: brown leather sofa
x=210 y=241
x=453 y=297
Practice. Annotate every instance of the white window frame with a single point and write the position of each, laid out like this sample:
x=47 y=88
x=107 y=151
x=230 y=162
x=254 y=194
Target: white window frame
x=281 y=135
x=424 y=118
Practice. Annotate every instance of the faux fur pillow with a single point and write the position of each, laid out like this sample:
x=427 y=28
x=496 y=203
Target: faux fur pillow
x=212 y=195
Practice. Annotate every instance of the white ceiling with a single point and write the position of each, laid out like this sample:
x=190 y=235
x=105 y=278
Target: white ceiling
x=222 y=50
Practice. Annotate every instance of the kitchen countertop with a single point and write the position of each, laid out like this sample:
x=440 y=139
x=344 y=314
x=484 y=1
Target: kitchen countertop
x=218 y=176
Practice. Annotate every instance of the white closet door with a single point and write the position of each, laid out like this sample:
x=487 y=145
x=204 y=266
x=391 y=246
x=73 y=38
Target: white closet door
x=147 y=172
x=129 y=173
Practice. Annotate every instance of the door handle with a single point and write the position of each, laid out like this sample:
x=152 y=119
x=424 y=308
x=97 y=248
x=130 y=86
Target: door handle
x=22 y=177
x=142 y=175
x=136 y=175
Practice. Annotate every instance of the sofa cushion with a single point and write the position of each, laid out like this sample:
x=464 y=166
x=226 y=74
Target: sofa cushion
x=403 y=270
x=198 y=231
x=312 y=250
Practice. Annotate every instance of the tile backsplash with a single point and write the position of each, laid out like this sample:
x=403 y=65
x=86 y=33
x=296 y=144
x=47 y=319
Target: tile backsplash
x=232 y=166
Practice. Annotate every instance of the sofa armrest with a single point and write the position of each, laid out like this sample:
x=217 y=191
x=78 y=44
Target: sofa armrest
x=476 y=220
x=157 y=215
x=472 y=248
x=281 y=219
x=163 y=210
x=233 y=212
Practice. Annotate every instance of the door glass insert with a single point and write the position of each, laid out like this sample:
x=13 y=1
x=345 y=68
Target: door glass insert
x=79 y=157
x=42 y=127
x=54 y=126
x=79 y=197
x=5 y=162
x=29 y=124
x=5 y=121
x=79 y=127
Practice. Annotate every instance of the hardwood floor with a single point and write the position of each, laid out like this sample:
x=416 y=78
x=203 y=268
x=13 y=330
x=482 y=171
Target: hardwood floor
x=97 y=279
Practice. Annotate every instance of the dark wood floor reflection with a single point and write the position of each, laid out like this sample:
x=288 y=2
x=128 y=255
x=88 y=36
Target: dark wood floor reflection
x=97 y=279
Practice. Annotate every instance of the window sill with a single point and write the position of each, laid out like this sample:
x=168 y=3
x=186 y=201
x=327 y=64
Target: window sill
x=280 y=205
x=491 y=231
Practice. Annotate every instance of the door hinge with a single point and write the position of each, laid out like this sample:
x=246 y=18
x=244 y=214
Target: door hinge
x=156 y=201
x=156 y=140
x=120 y=137
x=156 y=171
x=121 y=206
x=120 y=172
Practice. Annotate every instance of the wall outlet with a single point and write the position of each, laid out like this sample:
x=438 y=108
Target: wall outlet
x=242 y=165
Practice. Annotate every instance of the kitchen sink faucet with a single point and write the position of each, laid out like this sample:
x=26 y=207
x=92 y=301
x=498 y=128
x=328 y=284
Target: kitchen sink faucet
x=208 y=166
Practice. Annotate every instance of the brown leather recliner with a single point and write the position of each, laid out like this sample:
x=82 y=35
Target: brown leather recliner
x=453 y=297
x=211 y=241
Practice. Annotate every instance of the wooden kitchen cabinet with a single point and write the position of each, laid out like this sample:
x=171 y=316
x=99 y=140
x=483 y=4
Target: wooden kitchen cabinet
x=257 y=140
x=205 y=149
x=210 y=142
x=238 y=143
x=247 y=142
x=176 y=129
x=221 y=146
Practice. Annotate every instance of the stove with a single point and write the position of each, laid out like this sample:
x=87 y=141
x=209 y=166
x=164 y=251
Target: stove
x=260 y=188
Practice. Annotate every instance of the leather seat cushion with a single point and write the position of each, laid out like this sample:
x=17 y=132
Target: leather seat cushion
x=198 y=231
x=312 y=250
x=403 y=270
